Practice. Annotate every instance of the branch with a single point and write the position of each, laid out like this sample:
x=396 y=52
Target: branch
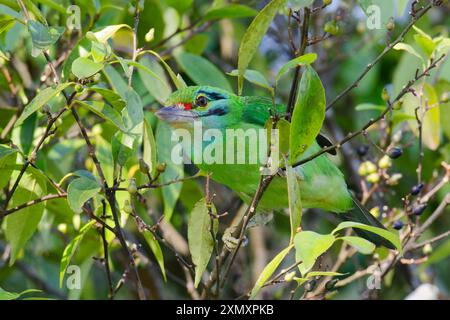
x=388 y=48
x=303 y=45
x=135 y=29
x=372 y=121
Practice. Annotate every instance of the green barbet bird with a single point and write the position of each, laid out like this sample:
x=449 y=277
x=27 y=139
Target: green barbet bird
x=322 y=184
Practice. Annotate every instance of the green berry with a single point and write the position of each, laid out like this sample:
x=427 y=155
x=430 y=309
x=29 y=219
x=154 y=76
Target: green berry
x=385 y=162
x=161 y=167
x=390 y=25
x=427 y=249
x=331 y=27
x=132 y=187
x=143 y=166
x=127 y=207
x=385 y=95
x=373 y=178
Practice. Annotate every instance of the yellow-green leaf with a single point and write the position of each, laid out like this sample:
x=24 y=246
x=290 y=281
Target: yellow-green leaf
x=268 y=270
x=40 y=100
x=81 y=190
x=295 y=204
x=70 y=249
x=201 y=243
x=299 y=61
x=362 y=245
x=157 y=252
x=201 y=71
x=20 y=226
x=149 y=146
x=308 y=115
x=391 y=237
x=309 y=246
x=253 y=36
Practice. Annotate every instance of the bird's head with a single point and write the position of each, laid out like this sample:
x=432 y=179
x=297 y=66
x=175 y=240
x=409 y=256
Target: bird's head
x=214 y=107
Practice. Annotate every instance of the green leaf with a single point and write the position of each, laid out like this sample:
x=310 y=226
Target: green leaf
x=106 y=33
x=84 y=68
x=70 y=249
x=149 y=146
x=369 y=106
x=6 y=24
x=408 y=48
x=229 y=11
x=8 y=157
x=157 y=252
x=40 y=100
x=122 y=147
x=323 y=274
x=308 y=115
x=116 y=80
x=154 y=79
x=33 y=8
x=431 y=124
x=442 y=252
x=114 y=99
x=391 y=237
x=54 y=5
x=268 y=270
x=302 y=60
x=295 y=204
x=173 y=171
x=23 y=135
x=362 y=245
x=20 y=226
x=254 y=77
x=443 y=87
x=7 y=11
x=424 y=41
x=99 y=51
x=5 y=295
x=104 y=111
x=253 y=36
x=180 y=5
x=176 y=79
x=5 y=152
x=201 y=243
x=299 y=4
x=133 y=114
x=309 y=246
x=42 y=36
x=81 y=190
x=201 y=71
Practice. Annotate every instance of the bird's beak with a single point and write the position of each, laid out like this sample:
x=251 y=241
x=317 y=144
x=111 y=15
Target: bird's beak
x=175 y=114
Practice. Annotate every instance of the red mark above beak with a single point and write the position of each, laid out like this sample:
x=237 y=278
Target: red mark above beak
x=187 y=106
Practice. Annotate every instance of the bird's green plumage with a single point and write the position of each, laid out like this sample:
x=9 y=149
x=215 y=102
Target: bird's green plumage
x=321 y=182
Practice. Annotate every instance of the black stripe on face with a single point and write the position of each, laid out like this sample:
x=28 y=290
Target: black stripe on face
x=212 y=96
x=218 y=111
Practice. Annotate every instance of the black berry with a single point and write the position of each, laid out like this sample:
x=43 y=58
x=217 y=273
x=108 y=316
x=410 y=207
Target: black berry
x=362 y=150
x=415 y=190
x=310 y=285
x=395 y=152
x=398 y=225
x=419 y=209
x=329 y=286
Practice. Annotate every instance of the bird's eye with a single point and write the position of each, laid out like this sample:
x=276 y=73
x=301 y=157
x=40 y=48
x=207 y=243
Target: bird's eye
x=201 y=101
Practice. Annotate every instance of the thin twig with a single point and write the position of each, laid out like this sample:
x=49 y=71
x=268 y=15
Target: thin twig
x=387 y=49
